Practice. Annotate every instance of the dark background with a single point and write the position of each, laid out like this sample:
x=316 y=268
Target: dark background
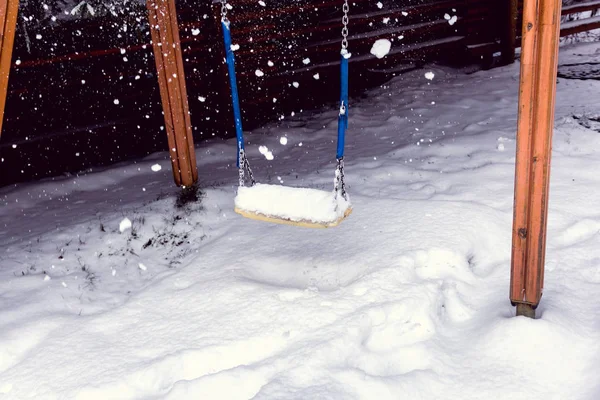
x=67 y=73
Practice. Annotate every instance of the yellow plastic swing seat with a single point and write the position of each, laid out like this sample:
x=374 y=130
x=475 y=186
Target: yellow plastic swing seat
x=309 y=208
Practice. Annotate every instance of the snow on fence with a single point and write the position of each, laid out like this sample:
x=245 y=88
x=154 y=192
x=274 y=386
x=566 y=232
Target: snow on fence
x=587 y=18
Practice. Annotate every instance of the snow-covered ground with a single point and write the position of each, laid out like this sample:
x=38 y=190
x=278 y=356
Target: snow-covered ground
x=406 y=299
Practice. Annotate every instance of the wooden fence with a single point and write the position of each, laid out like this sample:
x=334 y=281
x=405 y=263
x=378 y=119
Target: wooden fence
x=84 y=92
x=574 y=26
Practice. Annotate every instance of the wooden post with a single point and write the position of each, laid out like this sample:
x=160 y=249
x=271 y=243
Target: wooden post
x=8 y=25
x=539 y=60
x=509 y=31
x=171 y=81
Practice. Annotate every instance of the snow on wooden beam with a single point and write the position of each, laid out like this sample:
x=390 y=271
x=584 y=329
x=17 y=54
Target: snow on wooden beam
x=537 y=93
x=581 y=25
x=171 y=80
x=580 y=7
x=8 y=21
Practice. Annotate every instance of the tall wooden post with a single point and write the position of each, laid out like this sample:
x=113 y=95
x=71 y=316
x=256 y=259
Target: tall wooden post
x=539 y=60
x=171 y=80
x=8 y=24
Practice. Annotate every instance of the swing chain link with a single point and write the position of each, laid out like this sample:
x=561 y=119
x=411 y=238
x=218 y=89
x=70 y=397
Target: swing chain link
x=245 y=167
x=241 y=177
x=340 y=184
x=249 y=171
x=224 y=11
x=345 y=20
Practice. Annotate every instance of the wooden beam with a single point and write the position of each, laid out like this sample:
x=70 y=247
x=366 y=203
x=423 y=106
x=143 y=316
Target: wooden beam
x=162 y=15
x=580 y=25
x=537 y=92
x=8 y=24
x=581 y=7
x=509 y=33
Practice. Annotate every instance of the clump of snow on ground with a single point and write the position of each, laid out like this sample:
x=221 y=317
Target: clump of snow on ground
x=124 y=225
x=381 y=48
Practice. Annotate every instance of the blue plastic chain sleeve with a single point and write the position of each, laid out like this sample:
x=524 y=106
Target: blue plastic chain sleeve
x=237 y=115
x=343 y=118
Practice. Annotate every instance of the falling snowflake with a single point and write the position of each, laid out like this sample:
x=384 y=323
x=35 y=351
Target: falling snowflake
x=381 y=48
x=264 y=150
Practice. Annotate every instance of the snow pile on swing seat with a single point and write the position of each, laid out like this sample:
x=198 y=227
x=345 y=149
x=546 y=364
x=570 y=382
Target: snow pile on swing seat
x=292 y=204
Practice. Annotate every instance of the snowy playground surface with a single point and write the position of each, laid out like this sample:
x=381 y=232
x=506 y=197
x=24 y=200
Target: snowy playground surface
x=406 y=299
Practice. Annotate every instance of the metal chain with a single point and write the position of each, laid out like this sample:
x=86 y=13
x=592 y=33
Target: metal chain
x=245 y=167
x=241 y=169
x=340 y=184
x=224 y=11
x=249 y=171
x=345 y=9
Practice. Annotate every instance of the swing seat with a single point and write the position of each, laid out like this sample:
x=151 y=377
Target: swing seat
x=309 y=208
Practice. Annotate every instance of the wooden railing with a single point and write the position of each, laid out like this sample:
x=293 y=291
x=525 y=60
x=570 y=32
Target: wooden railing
x=581 y=25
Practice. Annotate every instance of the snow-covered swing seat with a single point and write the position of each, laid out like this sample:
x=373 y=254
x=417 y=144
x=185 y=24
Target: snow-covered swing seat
x=304 y=207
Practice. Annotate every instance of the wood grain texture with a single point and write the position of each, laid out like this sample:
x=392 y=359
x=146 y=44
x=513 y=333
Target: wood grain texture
x=171 y=81
x=8 y=22
x=539 y=63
